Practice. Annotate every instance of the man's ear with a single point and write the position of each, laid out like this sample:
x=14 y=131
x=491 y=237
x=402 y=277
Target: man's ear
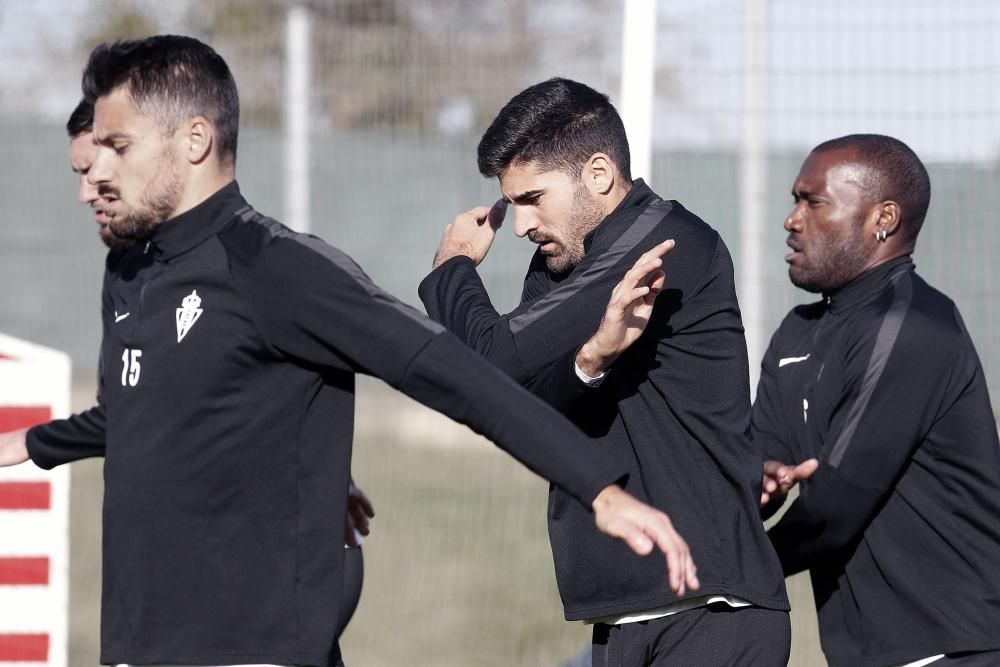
x=884 y=219
x=598 y=174
x=198 y=139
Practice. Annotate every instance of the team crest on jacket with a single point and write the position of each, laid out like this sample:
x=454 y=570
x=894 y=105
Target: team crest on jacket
x=188 y=314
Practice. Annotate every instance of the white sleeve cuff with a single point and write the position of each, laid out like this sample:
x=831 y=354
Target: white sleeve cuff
x=586 y=379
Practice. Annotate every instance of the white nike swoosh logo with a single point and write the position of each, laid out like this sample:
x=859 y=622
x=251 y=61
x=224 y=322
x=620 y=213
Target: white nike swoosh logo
x=791 y=360
x=119 y=318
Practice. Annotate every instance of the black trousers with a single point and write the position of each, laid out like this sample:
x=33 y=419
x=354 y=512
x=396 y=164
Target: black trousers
x=713 y=636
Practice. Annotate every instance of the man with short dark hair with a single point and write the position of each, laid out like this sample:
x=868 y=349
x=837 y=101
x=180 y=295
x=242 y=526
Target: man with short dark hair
x=674 y=407
x=231 y=347
x=874 y=400
x=82 y=152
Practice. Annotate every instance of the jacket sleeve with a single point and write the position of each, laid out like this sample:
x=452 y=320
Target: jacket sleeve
x=894 y=391
x=82 y=435
x=66 y=440
x=328 y=314
x=765 y=422
x=533 y=341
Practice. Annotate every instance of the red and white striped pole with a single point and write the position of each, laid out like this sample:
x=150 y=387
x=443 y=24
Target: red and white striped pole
x=34 y=513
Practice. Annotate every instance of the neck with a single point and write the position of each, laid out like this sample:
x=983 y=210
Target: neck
x=200 y=186
x=887 y=254
x=618 y=193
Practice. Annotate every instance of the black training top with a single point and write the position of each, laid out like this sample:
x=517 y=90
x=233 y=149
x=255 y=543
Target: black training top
x=674 y=408
x=900 y=526
x=230 y=348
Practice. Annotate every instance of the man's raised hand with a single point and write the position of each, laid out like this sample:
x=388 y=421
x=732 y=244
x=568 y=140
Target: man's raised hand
x=628 y=312
x=471 y=234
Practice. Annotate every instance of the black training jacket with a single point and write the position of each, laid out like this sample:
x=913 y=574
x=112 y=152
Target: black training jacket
x=900 y=526
x=674 y=408
x=230 y=351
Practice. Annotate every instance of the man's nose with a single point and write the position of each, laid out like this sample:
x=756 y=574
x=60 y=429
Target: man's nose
x=524 y=221
x=88 y=191
x=99 y=172
x=793 y=223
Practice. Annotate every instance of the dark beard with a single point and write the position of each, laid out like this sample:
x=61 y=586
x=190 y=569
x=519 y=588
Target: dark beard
x=153 y=210
x=834 y=267
x=133 y=227
x=586 y=215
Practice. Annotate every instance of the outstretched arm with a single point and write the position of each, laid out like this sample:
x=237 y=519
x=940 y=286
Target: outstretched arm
x=341 y=321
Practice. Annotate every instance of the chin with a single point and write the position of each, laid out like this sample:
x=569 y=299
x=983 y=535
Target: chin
x=803 y=281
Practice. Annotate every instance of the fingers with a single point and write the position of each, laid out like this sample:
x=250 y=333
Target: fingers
x=656 y=281
x=805 y=469
x=361 y=499
x=773 y=468
x=644 y=271
x=497 y=213
x=680 y=564
x=359 y=520
x=779 y=477
x=620 y=515
x=477 y=215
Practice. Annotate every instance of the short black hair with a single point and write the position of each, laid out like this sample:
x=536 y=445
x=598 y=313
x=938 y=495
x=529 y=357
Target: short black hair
x=171 y=78
x=896 y=173
x=557 y=124
x=82 y=119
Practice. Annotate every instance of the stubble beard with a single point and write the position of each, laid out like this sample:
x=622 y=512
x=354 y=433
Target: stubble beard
x=156 y=204
x=585 y=216
x=833 y=265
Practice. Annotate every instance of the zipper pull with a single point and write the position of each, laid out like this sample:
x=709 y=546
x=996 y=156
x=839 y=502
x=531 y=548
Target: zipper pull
x=805 y=411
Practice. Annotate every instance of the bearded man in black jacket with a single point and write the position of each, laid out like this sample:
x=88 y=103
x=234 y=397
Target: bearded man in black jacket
x=875 y=400
x=673 y=407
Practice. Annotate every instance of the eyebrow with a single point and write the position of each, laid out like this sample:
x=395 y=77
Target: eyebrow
x=114 y=136
x=524 y=197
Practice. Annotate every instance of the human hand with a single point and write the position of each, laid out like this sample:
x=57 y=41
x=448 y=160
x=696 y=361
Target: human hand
x=620 y=515
x=627 y=313
x=13 y=447
x=359 y=510
x=471 y=234
x=779 y=478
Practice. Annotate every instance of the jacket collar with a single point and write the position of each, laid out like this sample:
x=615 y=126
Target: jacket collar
x=187 y=230
x=868 y=285
x=640 y=195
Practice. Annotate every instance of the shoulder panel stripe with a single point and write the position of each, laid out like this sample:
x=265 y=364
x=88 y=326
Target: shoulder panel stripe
x=639 y=230
x=884 y=342
x=343 y=262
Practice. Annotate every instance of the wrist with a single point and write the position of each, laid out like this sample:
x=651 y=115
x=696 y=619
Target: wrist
x=591 y=361
x=452 y=251
x=606 y=497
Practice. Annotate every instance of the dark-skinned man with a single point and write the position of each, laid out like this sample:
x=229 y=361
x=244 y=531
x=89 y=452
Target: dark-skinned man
x=874 y=401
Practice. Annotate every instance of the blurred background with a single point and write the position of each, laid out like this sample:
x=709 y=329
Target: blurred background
x=360 y=120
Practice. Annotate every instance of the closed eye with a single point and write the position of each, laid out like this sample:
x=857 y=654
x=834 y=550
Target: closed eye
x=530 y=198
